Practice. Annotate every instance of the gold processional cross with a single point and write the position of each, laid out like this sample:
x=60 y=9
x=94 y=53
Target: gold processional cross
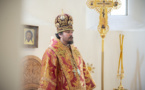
x=103 y=7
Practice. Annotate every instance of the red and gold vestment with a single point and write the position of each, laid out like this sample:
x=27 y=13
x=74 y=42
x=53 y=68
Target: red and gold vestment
x=57 y=69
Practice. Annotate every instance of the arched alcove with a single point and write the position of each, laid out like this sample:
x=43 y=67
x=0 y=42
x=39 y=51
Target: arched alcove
x=31 y=72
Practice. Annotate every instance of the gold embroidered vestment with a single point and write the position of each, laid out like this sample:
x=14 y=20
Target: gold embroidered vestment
x=57 y=69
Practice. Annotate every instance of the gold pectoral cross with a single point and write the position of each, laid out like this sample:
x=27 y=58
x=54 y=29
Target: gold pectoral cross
x=74 y=71
x=78 y=71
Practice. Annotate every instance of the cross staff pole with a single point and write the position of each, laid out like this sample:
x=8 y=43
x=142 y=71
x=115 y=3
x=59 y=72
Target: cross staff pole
x=103 y=7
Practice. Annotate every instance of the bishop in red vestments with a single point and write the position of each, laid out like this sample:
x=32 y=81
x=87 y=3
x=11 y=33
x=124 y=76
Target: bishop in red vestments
x=63 y=67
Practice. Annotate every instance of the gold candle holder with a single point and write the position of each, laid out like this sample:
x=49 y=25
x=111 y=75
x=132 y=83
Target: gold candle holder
x=120 y=76
x=120 y=87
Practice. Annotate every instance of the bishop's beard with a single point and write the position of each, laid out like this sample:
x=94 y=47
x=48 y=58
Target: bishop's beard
x=70 y=42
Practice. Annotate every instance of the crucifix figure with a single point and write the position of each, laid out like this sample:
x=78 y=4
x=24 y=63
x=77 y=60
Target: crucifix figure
x=103 y=7
x=103 y=12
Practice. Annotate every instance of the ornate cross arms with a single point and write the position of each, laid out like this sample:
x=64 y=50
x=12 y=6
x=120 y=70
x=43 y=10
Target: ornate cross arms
x=103 y=7
x=97 y=4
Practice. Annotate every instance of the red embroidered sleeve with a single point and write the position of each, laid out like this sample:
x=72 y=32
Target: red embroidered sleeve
x=48 y=71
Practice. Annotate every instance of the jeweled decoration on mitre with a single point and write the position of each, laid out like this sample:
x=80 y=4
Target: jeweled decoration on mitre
x=64 y=22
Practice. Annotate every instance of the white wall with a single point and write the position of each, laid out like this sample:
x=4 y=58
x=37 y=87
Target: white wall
x=134 y=61
x=10 y=26
x=88 y=40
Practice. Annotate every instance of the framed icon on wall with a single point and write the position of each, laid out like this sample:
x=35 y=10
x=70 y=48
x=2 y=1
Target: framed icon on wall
x=30 y=36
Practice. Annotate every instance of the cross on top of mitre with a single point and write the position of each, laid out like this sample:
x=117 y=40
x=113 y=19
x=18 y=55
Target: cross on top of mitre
x=106 y=4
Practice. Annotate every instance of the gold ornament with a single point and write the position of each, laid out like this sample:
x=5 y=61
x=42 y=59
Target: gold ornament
x=90 y=68
x=120 y=76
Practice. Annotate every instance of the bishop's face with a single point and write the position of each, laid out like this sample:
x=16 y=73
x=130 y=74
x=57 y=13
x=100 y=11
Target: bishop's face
x=67 y=37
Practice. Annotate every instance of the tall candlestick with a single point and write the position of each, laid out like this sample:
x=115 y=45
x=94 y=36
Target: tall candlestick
x=120 y=63
x=121 y=54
